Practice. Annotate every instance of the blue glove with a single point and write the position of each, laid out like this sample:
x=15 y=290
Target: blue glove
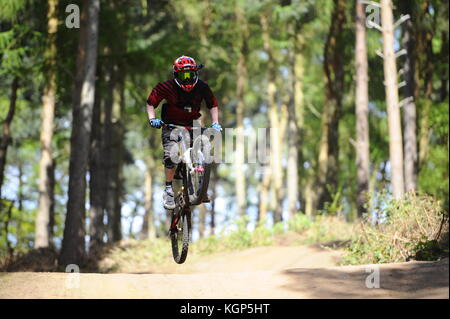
x=216 y=126
x=156 y=123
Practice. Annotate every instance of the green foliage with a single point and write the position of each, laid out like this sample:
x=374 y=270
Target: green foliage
x=9 y=10
x=241 y=238
x=436 y=167
x=335 y=206
x=413 y=228
x=19 y=50
x=321 y=229
x=429 y=250
x=300 y=223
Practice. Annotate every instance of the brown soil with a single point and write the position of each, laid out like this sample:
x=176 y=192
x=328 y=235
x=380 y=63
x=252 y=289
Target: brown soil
x=264 y=272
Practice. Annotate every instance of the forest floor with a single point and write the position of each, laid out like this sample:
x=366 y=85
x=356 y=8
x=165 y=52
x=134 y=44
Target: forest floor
x=279 y=272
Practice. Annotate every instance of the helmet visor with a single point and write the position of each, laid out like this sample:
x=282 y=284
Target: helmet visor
x=187 y=77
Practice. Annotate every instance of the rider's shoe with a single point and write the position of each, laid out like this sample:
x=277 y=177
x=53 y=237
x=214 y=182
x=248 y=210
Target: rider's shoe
x=168 y=198
x=206 y=199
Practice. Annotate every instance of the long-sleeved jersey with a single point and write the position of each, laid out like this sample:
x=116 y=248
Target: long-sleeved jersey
x=181 y=107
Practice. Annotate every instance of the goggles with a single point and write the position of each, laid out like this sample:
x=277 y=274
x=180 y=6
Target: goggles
x=187 y=76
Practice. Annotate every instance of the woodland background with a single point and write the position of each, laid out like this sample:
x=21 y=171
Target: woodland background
x=80 y=166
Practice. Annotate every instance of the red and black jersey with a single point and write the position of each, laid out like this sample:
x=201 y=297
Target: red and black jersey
x=181 y=107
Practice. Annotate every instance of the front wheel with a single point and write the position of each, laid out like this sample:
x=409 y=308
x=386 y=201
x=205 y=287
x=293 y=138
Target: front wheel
x=198 y=178
x=198 y=184
x=180 y=234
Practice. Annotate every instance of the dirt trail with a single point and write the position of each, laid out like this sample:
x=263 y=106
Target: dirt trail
x=265 y=272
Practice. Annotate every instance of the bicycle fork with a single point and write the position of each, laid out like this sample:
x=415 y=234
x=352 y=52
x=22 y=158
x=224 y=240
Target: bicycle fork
x=182 y=209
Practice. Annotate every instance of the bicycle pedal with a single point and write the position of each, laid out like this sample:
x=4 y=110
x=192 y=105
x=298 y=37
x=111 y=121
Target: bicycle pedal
x=206 y=200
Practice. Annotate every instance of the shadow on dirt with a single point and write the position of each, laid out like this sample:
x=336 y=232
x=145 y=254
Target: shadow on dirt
x=406 y=280
x=46 y=260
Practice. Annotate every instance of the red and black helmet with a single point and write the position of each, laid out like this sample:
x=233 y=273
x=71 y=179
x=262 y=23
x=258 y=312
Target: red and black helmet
x=185 y=72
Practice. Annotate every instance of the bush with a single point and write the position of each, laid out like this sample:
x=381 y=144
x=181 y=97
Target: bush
x=299 y=223
x=41 y=259
x=414 y=228
x=321 y=229
x=237 y=239
x=132 y=255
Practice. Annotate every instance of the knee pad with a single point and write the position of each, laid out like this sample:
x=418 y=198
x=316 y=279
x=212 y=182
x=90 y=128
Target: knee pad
x=168 y=163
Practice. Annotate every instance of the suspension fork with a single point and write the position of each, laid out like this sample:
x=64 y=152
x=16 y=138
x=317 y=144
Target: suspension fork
x=182 y=206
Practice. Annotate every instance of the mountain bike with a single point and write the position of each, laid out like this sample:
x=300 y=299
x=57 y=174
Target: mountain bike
x=194 y=171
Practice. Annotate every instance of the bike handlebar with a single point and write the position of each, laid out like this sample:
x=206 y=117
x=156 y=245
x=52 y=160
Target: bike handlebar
x=181 y=126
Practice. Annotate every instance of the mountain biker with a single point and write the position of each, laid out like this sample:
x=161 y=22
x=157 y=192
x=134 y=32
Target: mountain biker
x=183 y=94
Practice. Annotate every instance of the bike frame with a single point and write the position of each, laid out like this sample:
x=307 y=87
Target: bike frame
x=182 y=210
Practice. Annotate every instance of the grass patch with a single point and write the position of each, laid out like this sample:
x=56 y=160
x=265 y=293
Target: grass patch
x=143 y=255
x=132 y=255
x=414 y=228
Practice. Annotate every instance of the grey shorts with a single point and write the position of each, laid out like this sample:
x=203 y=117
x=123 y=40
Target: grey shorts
x=170 y=144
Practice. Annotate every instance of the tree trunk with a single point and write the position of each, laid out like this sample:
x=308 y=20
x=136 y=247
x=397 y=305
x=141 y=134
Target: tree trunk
x=51 y=178
x=424 y=138
x=148 y=227
x=42 y=235
x=334 y=76
x=393 y=111
x=113 y=151
x=201 y=220
x=97 y=177
x=241 y=75
x=9 y=247
x=295 y=128
x=362 y=109
x=322 y=165
x=203 y=31
x=292 y=169
x=20 y=198
x=409 y=111
x=6 y=138
x=275 y=129
x=73 y=245
x=133 y=215
x=310 y=197
x=264 y=188
x=444 y=60
x=107 y=143
x=427 y=67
